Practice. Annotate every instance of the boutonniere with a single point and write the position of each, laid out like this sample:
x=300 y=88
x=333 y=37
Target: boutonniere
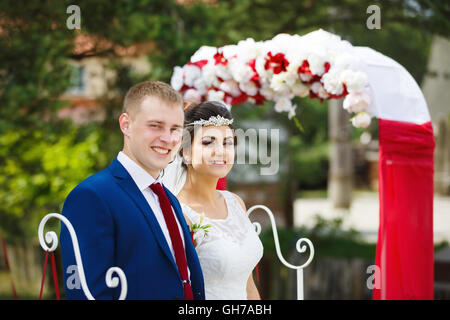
x=199 y=231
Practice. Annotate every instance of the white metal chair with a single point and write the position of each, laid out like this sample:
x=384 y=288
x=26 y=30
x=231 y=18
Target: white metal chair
x=299 y=248
x=52 y=239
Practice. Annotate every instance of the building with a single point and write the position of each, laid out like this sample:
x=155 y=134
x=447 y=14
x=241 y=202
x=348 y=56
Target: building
x=91 y=75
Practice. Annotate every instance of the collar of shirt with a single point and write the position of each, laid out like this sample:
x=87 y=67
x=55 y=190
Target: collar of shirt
x=141 y=177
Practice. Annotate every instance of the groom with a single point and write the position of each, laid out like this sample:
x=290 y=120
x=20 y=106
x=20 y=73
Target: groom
x=124 y=217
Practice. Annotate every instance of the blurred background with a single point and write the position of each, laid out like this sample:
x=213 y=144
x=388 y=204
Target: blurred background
x=61 y=92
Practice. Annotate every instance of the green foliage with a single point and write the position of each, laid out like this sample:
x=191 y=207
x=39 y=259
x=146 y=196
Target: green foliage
x=34 y=69
x=310 y=164
x=38 y=171
x=309 y=149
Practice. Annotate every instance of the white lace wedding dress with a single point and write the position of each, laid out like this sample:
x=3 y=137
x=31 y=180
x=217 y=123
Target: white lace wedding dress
x=229 y=253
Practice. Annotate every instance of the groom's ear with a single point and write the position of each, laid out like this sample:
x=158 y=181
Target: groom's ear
x=124 y=122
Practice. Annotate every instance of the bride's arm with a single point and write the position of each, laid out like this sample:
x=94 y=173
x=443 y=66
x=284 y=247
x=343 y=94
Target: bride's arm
x=252 y=291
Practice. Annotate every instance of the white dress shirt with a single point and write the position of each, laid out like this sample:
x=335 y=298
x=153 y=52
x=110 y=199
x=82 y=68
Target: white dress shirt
x=143 y=180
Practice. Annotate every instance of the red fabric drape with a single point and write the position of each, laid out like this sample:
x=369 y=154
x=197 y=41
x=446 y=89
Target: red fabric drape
x=405 y=256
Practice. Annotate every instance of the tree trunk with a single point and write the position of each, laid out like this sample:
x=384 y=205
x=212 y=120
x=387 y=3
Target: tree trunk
x=341 y=158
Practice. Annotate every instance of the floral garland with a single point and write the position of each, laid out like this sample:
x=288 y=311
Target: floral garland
x=318 y=64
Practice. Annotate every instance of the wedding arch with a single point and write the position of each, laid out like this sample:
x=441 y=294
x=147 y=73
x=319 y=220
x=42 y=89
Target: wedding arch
x=320 y=65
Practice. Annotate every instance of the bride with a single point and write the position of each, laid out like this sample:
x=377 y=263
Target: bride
x=230 y=248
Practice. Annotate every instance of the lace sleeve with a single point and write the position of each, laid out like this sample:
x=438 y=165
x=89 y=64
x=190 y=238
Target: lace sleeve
x=239 y=201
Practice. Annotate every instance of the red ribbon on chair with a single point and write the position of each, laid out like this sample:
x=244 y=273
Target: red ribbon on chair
x=55 y=275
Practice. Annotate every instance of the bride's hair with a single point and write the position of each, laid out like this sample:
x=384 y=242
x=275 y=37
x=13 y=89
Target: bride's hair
x=204 y=110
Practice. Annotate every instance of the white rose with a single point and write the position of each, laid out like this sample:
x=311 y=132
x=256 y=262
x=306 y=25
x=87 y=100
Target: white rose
x=229 y=51
x=200 y=86
x=289 y=77
x=240 y=71
x=361 y=120
x=267 y=92
x=262 y=72
x=354 y=80
x=357 y=101
x=281 y=40
x=305 y=77
x=248 y=49
x=249 y=88
x=192 y=95
x=301 y=90
x=294 y=64
x=209 y=74
x=204 y=53
x=191 y=73
x=316 y=64
x=318 y=89
x=323 y=93
x=332 y=82
x=231 y=87
x=278 y=83
x=177 y=78
x=222 y=72
x=283 y=104
x=214 y=95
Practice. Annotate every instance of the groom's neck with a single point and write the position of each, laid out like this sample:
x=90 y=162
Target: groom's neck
x=154 y=173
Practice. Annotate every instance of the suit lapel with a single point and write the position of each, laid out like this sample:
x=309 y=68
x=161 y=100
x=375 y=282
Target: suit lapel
x=127 y=183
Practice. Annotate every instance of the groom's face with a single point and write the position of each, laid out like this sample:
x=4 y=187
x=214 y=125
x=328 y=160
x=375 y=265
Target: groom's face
x=153 y=134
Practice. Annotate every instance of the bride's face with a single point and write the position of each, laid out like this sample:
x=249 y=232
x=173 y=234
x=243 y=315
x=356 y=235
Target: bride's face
x=212 y=151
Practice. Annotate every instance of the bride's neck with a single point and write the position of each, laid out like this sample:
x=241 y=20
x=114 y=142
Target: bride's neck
x=200 y=187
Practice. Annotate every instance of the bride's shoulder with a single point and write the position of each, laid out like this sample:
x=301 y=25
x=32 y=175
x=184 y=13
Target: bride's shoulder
x=188 y=212
x=239 y=199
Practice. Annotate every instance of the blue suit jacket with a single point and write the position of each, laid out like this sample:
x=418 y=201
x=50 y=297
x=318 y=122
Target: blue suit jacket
x=115 y=226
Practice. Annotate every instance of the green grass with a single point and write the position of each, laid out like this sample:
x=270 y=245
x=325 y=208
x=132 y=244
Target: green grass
x=320 y=193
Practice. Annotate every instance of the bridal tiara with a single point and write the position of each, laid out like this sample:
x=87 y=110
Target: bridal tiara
x=212 y=121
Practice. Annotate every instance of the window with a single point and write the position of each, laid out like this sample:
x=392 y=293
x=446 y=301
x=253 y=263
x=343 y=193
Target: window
x=77 y=80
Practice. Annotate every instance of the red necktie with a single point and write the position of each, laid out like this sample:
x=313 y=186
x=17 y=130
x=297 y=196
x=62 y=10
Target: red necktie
x=175 y=237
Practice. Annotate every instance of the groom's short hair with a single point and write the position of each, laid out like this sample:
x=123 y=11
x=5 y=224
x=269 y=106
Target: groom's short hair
x=137 y=93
